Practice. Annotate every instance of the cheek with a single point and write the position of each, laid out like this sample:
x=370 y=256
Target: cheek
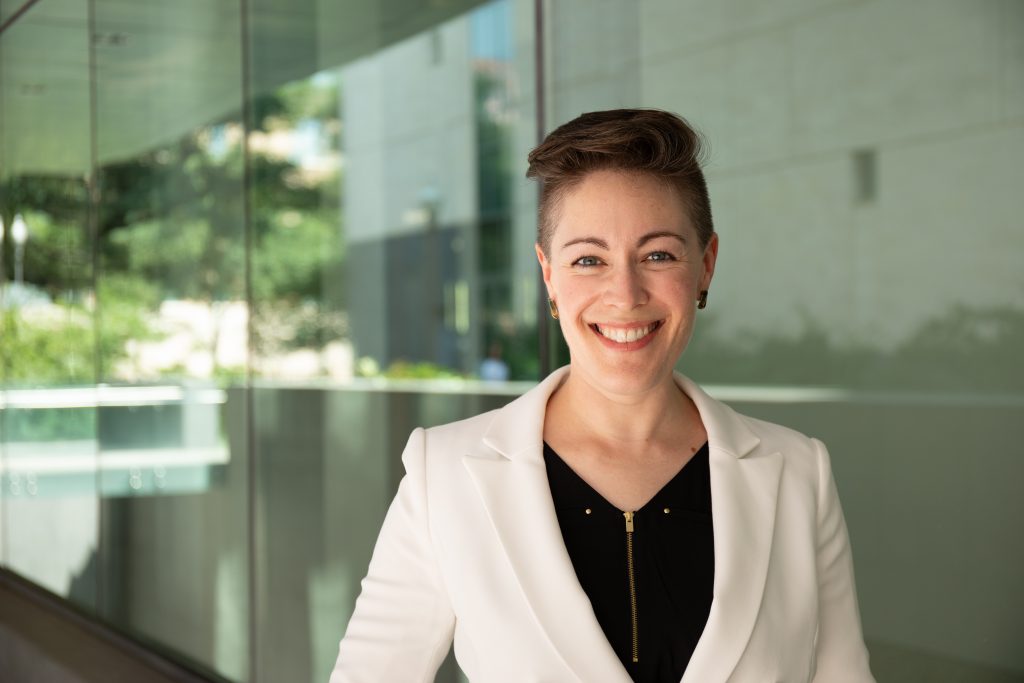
x=679 y=288
x=572 y=293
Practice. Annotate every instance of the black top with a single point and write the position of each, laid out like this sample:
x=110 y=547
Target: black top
x=670 y=552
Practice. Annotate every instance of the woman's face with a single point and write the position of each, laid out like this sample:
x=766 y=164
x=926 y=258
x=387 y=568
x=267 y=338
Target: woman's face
x=626 y=269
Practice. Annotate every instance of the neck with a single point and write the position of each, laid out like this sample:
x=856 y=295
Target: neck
x=663 y=412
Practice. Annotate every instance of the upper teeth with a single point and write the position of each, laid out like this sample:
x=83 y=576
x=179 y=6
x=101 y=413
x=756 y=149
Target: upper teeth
x=631 y=335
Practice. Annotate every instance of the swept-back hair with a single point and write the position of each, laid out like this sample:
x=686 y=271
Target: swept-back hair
x=651 y=142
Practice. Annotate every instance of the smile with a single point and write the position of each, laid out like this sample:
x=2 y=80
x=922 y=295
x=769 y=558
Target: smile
x=625 y=335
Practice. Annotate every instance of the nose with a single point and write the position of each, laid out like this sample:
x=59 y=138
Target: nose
x=625 y=288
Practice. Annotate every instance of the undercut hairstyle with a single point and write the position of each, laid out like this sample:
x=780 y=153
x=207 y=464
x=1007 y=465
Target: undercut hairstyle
x=650 y=142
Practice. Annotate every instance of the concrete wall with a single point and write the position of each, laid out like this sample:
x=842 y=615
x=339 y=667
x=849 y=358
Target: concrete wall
x=804 y=103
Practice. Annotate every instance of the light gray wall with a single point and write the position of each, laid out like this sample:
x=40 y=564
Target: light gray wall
x=788 y=94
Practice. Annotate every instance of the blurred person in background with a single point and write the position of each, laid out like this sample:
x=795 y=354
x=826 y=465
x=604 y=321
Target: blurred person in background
x=493 y=368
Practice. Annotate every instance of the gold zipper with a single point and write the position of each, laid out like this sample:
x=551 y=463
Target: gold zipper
x=632 y=583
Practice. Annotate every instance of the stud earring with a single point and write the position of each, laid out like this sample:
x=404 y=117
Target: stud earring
x=553 y=307
x=702 y=302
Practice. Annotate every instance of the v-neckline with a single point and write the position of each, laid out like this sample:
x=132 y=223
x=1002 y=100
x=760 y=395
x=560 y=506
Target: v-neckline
x=658 y=494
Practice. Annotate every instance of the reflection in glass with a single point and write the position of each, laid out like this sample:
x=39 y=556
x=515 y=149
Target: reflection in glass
x=190 y=289
x=868 y=287
x=300 y=329
x=390 y=226
x=48 y=441
x=172 y=327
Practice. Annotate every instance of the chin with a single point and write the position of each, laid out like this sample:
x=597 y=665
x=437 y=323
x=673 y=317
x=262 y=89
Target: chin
x=624 y=379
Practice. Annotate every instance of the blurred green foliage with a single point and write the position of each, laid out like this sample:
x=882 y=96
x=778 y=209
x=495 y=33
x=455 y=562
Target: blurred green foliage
x=47 y=351
x=401 y=369
x=170 y=223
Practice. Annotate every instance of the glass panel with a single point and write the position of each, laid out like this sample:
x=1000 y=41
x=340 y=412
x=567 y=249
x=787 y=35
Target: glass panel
x=394 y=277
x=172 y=325
x=869 y=281
x=48 y=440
x=868 y=289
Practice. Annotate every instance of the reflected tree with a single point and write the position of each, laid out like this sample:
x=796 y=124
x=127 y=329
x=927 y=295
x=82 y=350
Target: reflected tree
x=171 y=225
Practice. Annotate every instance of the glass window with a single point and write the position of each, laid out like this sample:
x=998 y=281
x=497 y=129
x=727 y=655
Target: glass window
x=172 y=322
x=393 y=279
x=49 y=508
x=868 y=288
x=247 y=247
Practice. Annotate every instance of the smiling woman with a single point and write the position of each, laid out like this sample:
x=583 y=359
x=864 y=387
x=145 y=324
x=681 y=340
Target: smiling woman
x=615 y=523
x=625 y=260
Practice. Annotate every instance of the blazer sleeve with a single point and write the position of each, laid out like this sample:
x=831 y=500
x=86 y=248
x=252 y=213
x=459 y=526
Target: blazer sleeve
x=840 y=654
x=402 y=625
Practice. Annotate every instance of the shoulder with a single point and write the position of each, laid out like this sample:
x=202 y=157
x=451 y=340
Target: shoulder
x=774 y=435
x=442 y=447
x=458 y=435
x=513 y=428
x=751 y=438
x=742 y=434
x=806 y=462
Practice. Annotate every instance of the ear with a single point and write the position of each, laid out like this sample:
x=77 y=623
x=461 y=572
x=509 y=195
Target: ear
x=708 y=260
x=545 y=268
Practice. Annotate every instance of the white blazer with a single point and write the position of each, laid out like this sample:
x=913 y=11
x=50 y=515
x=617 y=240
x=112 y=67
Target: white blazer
x=471 y=547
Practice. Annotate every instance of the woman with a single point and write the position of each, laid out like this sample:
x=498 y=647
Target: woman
x=615 y=523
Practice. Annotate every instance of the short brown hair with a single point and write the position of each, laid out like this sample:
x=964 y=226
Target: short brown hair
x=647 y=141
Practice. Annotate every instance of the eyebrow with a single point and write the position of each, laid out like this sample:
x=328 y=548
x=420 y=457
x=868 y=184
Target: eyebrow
x=640 y=242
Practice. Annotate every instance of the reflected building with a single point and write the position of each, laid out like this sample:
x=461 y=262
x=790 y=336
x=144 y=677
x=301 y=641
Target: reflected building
x=435 y=217
x=235 y=209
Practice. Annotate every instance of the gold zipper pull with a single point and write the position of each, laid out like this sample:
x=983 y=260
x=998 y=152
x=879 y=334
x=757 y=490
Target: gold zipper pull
x=632 y=584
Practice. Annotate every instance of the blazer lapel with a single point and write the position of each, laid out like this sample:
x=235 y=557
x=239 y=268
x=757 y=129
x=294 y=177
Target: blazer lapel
x=744 y=492
x=512 y=482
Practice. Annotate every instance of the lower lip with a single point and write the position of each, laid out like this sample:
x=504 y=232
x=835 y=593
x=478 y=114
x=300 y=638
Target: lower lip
x=627 y=346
